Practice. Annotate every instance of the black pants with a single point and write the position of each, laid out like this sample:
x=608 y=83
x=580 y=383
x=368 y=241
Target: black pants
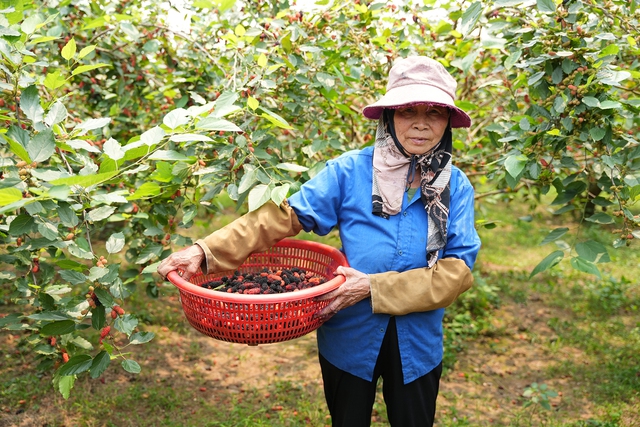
x=350 y=399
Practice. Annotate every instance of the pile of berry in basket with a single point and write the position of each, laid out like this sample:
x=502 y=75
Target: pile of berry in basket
x=267 y=281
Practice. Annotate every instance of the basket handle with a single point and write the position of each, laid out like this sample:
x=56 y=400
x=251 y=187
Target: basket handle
x=175 y=276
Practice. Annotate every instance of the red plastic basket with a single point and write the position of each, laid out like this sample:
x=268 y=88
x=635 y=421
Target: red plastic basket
x=263 y=318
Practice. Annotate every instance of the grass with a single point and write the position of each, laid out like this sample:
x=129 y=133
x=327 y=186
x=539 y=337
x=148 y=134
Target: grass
x=577 y=335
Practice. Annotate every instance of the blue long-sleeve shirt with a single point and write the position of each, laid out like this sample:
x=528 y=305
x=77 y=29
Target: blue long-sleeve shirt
x=340 y=195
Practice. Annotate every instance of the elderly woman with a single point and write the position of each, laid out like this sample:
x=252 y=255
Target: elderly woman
x=406 y=220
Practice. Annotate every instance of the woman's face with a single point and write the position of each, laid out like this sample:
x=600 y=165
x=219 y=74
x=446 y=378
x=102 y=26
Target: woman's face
x=419 y=128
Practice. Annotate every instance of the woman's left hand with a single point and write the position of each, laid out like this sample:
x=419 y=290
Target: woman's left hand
x=355 y=288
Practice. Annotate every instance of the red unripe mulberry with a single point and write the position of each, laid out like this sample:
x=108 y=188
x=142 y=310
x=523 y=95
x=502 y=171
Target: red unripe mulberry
x=105 y=331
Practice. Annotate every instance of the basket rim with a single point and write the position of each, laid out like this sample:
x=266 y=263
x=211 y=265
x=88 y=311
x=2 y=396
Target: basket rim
x=328 y=286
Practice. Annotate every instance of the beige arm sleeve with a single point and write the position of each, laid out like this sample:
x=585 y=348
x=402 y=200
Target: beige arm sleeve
x=421 y=289
x=228 y=247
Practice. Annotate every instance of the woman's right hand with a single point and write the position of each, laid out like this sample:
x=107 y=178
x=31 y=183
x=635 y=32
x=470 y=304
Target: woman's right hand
x=187 y=261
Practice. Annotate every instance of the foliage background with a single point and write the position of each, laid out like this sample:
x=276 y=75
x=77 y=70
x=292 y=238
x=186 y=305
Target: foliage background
x=122 y=128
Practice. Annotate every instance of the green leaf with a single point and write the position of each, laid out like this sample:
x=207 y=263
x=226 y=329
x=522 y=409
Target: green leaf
x=54 y=80
x=22 y=224
x=43 y=39
x=512 y=59
x=248 y=180
x=92 y=124
x=601 y=218
x=608 y=105
x=554 y=235
x=146 y=190
x=279 y=193
x=67 y=264
x=611 y=49
x=149 y=253
x=226 y=99
x=79 y=252
x=515 y=165
x=18 y=149
x=104 y=297
x=275 y=119
x=57 y=113
x=151 y=268
x=4 y=31
x=48 y=316
x=86 y=51
x=59 y=192
x=11 y=319
x=131 y=366
x=258 y=196
x=176 y=118
x=64 y=384
x=585 y=266
x=217 y=124
x=113 y=149
x=548 y=262
x=98 y=317
x=30 y=104
x=535 y=78
x=546 y=6
x=49 y=231
x=470 y=17
x=591 y=101
x=31 y=24
x=168 y=155
x=188 y=137
x=57 y=289
x=9 y=195
x=42 y=146
x=103 y=212
x=240 y=30
x=69 y=50
x=252 y=103
x=85 y=180
x=189 y=213
x=95 y=23
x=115 y=243
x=262 y=60
x=593 y=251
x=224 y=5
x=126 y=324
x=100 y=364
x=73 y=277
x=292 y=167
x=163 y=172
x=58 y=328
x=84 y=68
x=141 y=337
x=559 y=104
x=75 y=365
x=597 y=133
x=153 y=136
x=45 y=349
x=67 y=215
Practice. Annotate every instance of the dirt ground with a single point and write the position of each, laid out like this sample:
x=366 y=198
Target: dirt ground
x=485 y=387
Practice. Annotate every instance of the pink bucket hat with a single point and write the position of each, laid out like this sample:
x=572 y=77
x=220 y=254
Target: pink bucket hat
x=419 y=80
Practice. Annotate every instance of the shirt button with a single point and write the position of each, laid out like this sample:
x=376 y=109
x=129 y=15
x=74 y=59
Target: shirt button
x=405 y=213
x=381 y=330
x=399 y=252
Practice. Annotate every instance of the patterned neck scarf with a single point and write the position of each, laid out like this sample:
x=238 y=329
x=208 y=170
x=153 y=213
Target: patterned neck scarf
x=393 y=172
